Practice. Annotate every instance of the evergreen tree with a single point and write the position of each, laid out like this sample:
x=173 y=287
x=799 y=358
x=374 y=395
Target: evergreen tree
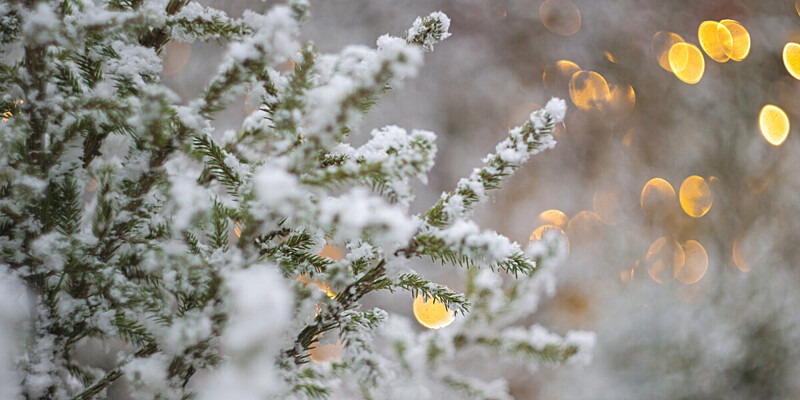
x=127 y=220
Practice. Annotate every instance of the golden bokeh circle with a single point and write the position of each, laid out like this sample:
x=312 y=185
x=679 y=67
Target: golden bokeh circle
x=561 y=17
x=774 y=124
x=687 y=63
x=716 y=40
x=695 y=196
x=791 y=59
x=741 y=39
x=432 y=314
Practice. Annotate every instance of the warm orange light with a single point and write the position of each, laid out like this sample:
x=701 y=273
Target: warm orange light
x=561 y=17
x=741 y=39
x=716 y=40
x=791 y=59
x=610 y=57
x=556 y=76
x=538 y=232
x=237 y=229
x=663 y=257
x=627 y=276
x=660 y=44
x=589 y=90
x=774 y=124
x=739 y=257
x=695 y=264
x=324 y=351
x=687 y=63
x=622 y=99
x=335 y=253
x=321 y=286
x=695 y=196
x=432 y=314
x=554 y=217
x=657 y=195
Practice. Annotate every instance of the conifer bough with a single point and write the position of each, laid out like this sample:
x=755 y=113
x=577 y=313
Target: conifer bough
x=118 y=208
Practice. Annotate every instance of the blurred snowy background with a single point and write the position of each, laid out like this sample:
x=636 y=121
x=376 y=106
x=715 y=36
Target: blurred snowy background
x=691 y=285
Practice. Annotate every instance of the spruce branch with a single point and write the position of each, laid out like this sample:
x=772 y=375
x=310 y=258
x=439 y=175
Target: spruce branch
x=532 y=137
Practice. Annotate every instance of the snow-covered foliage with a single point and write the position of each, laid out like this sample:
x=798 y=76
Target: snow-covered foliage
x=126 y=219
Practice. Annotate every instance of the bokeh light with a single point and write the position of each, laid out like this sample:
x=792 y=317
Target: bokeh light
x=740 y=48
x=622 y=99
x=695 y=263
x=716 y=40
x=774 y=124
x=589 y=90
x=326 y=351
x=660 y=45
x=432 y=314
x=791 y=59
x=657 y=195
x=740 y=259
x=557 y=75
x=695 y=196
x=561 y=17
x=687 y=63
x=554 y=217
x=539 y=232
x=335 y=253
x=664 y=256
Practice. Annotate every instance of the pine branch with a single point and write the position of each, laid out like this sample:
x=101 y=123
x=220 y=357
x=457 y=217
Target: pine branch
x=417 y=285
x=533 y=137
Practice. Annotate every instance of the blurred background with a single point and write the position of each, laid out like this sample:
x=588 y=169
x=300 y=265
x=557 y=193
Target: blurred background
x=677 y=189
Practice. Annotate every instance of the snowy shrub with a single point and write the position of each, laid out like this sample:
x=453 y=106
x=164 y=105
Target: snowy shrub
x=128 y=222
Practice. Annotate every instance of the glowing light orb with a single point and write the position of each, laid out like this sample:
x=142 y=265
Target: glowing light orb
x=660 y=45
x=557 y=75
x=716 y=40
x=774 y=124
x=695 y=196
x=539 y=232
x=740 y=48
x=561 y=17
x=739 y=258
x=432 y=314
x=791 y=59
x=554 y=217
x=657 y=195
x=664 y=256
x=695 y=264
x=687 y=63
x=622 y=99
x=588 y=90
